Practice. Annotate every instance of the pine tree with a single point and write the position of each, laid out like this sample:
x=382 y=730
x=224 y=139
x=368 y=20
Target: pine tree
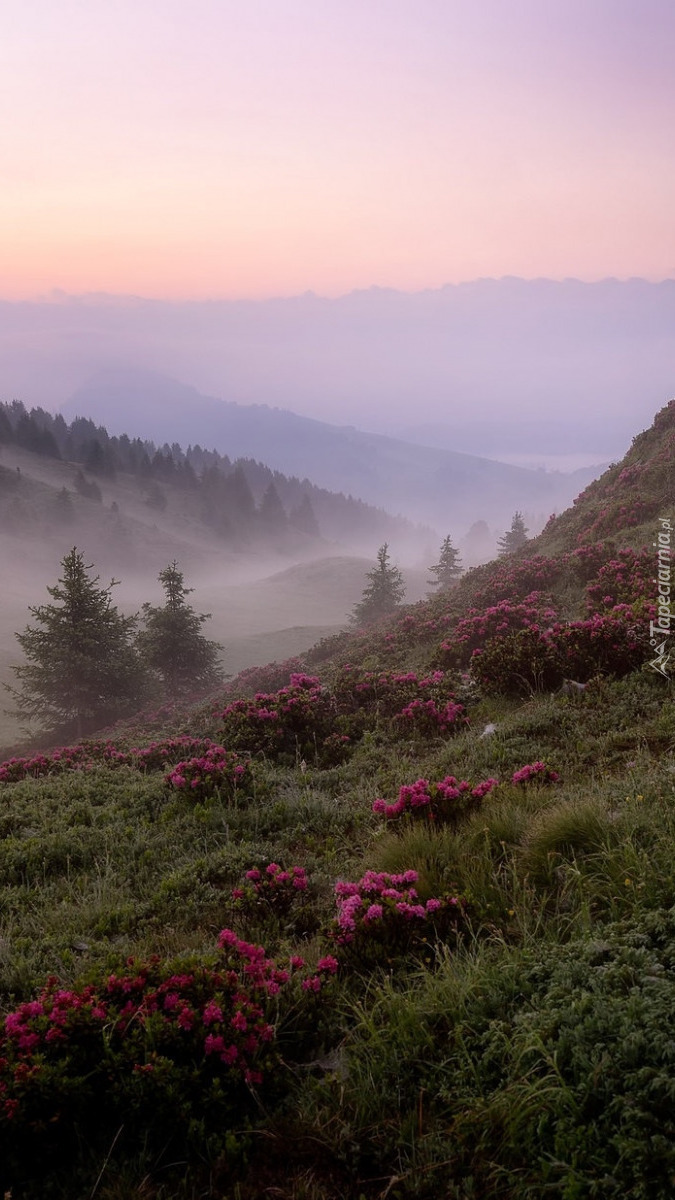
x=514 y=538
x=6 y=431
x=448 y=567
x=172 y=644
x=63 y=510
x=272 y=513
x=383 y=594
x=302 y=517
x=82 y=670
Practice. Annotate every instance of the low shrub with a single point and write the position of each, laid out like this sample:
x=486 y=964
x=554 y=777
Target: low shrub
x=381 y=919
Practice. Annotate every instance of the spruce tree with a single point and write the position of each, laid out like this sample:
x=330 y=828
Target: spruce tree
x=272 y=513
x=172 y=643
x=514 y=538
x=448 y=567
x=82 y=670
x=302 y=517
x=383 y=594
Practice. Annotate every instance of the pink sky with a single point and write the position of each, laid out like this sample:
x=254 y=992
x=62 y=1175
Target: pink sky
x=267 y=147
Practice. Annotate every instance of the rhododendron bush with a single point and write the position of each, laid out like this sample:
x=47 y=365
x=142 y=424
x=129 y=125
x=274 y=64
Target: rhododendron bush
x=295 y=723
x=216 y=772
x=444 y=802
x=164 y=1051
x=422 y=705
x=628 y=578
x=381 y=918
x=273 y=894
x=85 y=756
x=532 y=659
x=479 y=627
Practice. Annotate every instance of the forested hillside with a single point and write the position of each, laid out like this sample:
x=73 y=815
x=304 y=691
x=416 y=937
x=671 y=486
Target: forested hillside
x=242 y=502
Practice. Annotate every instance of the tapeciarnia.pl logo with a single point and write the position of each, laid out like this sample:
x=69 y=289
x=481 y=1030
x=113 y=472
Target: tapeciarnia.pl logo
x=659 y=630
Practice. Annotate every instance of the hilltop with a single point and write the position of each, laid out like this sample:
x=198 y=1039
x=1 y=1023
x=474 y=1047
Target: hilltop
x=394 y=917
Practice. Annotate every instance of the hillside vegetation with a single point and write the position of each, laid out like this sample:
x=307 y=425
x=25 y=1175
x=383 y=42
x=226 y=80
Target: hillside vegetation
x=396 y=919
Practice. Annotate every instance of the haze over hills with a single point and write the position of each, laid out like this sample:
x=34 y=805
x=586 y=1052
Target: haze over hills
x=274 y=588
x=498 y=366
x=433 y=485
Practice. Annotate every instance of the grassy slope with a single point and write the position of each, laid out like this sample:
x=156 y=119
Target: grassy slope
x=476 y=1078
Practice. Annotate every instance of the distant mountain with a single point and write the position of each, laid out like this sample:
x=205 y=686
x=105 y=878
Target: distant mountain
x=441 y=487
x=552 y=366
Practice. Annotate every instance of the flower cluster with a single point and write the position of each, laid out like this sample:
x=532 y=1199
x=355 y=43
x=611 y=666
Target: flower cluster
x=67 y=758
x=385 y=693
x=478 y=628
x=381 y=917
x=427 y=718
x=628 y=578
x=217 y=771
x=443 y=802
x=146 y=1028
x=272 y=887
x=294 y=723
x=536 y=772
x=84 y=756
x=533 y=659
x=265 y=678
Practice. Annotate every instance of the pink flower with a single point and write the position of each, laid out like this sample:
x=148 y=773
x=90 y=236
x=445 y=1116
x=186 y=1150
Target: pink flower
x=212 y=1012
x=328 y=963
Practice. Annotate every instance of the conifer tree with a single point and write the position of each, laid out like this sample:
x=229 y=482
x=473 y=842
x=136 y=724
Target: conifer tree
x=82 y=670
x=448 y=567
x=302 y=517
x=514 y=538
x=383 y=594
x=272 y=513
x=172 y=643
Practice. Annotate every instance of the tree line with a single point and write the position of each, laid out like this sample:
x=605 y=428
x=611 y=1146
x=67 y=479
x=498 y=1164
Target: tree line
x=236 y=498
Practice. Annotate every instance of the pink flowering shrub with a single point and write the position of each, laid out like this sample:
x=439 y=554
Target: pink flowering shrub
x=273 y=894
x=613 y=644
x=479 y=627
x=216 y=772
x=427 y=718
x=518 y=663
x=421 y=705
x=628 y=578
x=170 y=1052
x=265 y=678
x=381 y=919
x=532 y=659
x=81 y=757
x=536 y=772
x=297 y=722
x=444 y=802
x=84 y=756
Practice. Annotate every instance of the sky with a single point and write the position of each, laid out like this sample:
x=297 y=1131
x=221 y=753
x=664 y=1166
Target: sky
x=258 y=148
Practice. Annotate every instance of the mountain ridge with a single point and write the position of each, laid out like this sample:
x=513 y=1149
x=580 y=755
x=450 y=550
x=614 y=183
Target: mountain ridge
x=436 y=486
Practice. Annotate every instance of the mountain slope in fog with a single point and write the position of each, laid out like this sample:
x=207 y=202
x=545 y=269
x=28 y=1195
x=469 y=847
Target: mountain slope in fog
x=437 y=486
